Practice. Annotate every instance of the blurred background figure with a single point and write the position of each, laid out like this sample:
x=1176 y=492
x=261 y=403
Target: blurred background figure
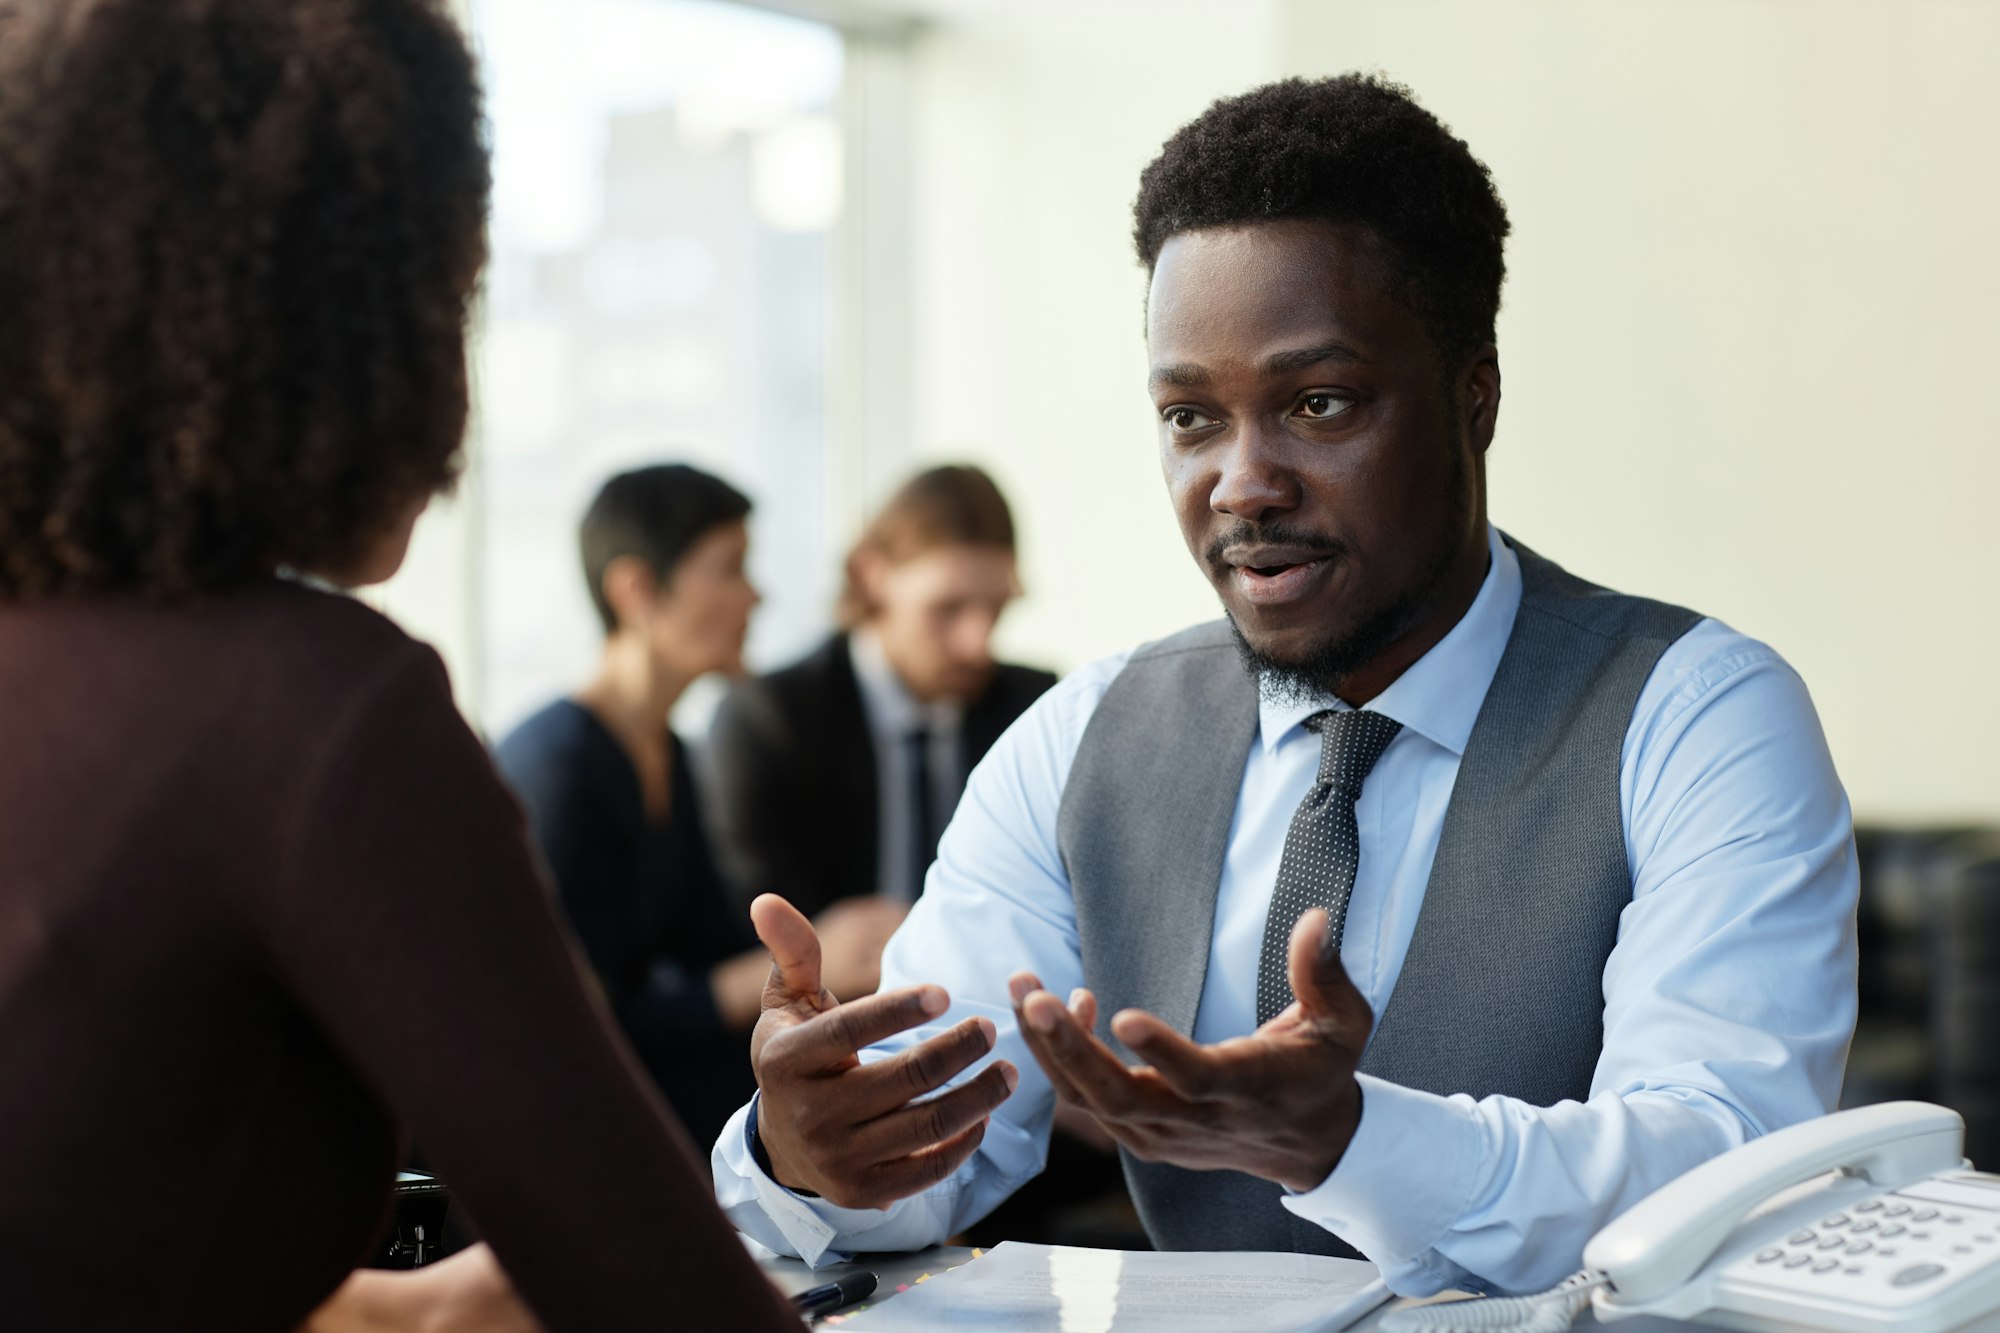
x=834 y=777
x=613 y=807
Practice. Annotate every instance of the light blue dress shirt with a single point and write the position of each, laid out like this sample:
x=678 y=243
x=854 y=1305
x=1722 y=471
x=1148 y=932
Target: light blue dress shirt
x=1729 y=997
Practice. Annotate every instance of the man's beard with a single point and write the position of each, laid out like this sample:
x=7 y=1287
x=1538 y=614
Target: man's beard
x=1327 y=663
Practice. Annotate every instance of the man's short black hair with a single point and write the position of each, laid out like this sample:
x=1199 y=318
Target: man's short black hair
x=657 y=514
x=1352 y=149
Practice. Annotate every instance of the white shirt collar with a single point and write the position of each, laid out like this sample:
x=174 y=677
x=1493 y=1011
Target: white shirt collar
x=1440 y=695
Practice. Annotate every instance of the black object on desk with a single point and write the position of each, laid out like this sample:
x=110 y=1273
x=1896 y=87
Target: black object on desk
x=834 y=1295
x=417 y=1231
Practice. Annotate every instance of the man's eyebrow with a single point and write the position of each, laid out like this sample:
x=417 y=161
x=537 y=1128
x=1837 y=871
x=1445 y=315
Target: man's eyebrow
x=1180 y=377
x=1302 y=358
x=1279 y=363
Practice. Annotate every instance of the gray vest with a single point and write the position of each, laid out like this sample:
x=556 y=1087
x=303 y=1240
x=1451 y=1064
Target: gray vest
x=1501 y=991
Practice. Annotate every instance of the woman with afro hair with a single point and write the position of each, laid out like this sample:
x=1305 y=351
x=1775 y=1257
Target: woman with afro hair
x=265 y=909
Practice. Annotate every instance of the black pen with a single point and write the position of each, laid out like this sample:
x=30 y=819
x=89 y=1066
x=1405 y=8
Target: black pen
x=825 y=1300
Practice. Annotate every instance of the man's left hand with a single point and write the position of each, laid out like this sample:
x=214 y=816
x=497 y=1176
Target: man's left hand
x=1280 y=1103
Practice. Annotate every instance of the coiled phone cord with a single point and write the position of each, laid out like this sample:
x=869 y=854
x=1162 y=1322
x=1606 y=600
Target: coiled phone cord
x=1551 y=1311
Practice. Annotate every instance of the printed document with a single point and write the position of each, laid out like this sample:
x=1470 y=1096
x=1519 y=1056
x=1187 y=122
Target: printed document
x=1019 y=1288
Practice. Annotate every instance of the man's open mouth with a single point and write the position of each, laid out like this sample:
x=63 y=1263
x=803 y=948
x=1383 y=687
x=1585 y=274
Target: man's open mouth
x=1273 y=578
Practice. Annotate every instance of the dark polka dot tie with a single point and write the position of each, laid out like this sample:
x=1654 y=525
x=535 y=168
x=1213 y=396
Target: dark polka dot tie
x=1323 y=845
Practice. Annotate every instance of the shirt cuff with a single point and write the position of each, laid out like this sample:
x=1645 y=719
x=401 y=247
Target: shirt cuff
x=761 y=1207
x=1405 y=1178
x=809 y=1227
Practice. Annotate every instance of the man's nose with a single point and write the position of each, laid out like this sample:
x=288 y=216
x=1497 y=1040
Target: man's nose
x=972 y=638
x=1253 y=480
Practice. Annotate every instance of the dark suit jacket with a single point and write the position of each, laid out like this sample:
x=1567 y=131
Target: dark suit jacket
x=796 y=804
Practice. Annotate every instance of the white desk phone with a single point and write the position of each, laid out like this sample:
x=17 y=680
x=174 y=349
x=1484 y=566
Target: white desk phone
x=1861 y=1221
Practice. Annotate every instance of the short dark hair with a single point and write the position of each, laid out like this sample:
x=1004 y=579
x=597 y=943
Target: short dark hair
x=657 y=514
x=1354 y=149
x=238 y=239
x=953 y=505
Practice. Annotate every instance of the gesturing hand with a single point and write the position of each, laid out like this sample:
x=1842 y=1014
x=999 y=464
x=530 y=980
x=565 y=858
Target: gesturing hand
x=849 y=1132
x=1280 y=1103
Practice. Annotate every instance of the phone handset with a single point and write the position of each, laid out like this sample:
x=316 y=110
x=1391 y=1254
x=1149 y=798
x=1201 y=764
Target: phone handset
x=1658 y=1244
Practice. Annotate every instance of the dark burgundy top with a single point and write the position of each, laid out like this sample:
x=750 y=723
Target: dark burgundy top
x=264 y=907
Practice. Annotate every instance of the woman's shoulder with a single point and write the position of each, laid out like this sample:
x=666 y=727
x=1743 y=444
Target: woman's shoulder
x=323 y=644
x=561 y=747
x=562 y=726
x=268 y=646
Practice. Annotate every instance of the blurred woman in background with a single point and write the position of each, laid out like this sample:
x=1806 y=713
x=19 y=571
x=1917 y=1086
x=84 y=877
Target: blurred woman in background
x=613 y=806
x=264 y=905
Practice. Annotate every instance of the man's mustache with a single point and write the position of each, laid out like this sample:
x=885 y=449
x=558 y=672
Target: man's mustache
x=1271 y=534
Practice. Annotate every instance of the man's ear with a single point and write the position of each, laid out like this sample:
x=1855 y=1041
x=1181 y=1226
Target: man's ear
x=870 y=569
x=630 y=590
x=1479 y=396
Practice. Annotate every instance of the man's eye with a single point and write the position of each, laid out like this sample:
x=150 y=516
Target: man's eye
x=1321 y=406
x=1186 y=418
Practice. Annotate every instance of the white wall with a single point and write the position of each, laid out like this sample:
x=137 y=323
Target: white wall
x=1748 y=335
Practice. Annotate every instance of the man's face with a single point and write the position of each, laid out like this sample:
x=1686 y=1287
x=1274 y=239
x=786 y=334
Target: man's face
x=1327 y=471
x=935 y=614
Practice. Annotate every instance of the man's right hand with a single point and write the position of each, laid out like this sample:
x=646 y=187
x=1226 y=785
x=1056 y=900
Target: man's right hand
x=853 y=1133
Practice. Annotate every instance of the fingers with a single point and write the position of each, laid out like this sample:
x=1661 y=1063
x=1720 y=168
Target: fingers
x=924 y=1067
x=794 y=946
x=830 y=1038
x=1321 y=983
x=1083 y=1006
x=1072 y=1056
x=920 y=1126
x=1023 y=985
x=1192 y=1070
x=890 y=1181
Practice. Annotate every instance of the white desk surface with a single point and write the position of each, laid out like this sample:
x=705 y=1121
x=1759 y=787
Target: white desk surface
x=792 y=1276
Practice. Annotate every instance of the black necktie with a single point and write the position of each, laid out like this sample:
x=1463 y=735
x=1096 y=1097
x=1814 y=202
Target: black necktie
x=924 y=828
x=1322 y=847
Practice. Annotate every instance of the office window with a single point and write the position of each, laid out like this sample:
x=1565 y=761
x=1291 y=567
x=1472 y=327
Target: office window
x=667 y=174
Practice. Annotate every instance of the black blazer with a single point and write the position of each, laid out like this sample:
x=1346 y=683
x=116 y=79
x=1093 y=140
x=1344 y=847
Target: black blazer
x=791 y=762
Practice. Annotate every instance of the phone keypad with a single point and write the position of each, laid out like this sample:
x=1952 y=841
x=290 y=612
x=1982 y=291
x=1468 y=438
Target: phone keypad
x=1861 y=1249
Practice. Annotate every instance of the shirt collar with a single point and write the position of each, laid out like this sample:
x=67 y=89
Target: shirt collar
x=1440 y=695
x=891 y=709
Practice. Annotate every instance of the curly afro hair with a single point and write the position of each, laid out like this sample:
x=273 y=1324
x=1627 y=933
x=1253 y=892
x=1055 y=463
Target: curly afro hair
x=238 y=241
x=1352 y=149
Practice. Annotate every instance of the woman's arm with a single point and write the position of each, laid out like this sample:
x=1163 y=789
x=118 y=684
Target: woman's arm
x=414 y=929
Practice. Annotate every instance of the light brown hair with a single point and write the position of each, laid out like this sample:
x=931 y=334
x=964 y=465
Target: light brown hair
x=956 y=505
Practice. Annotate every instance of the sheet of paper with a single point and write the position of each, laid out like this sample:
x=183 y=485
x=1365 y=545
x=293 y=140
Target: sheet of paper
x=1018 y=1288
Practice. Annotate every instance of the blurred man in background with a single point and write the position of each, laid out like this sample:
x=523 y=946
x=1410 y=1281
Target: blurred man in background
x=834 y=777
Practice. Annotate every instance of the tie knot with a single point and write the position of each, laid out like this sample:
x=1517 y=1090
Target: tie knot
x=1349 y=745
